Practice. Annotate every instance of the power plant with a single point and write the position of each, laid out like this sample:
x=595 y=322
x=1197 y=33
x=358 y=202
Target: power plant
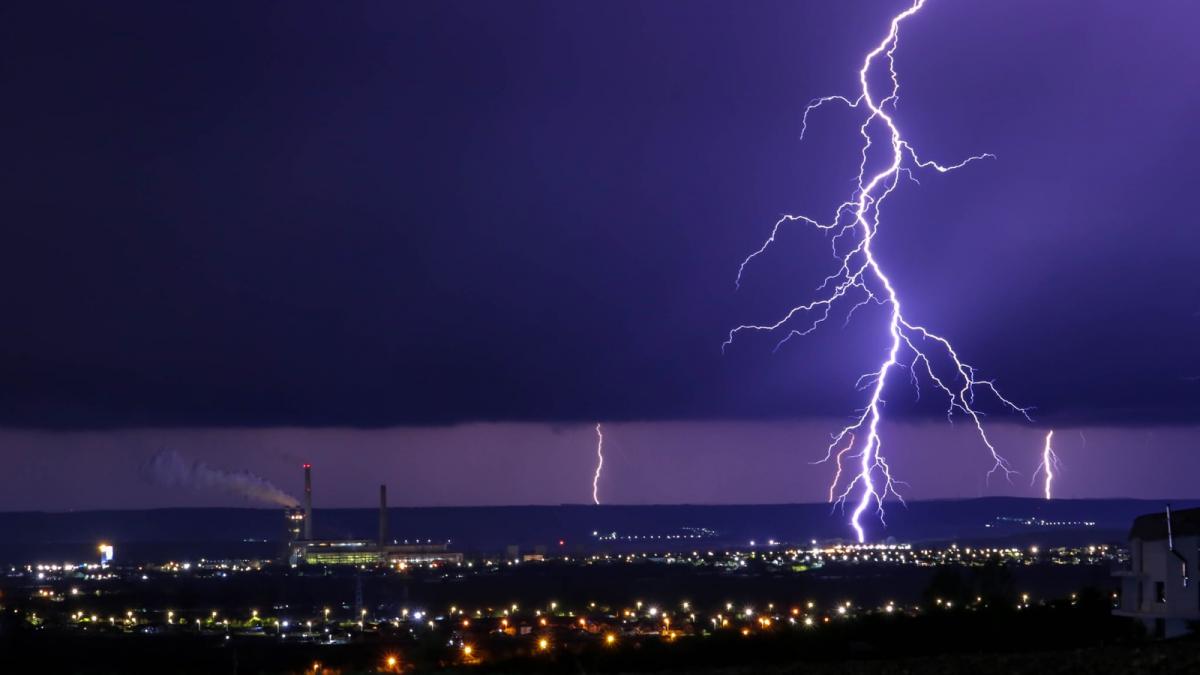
x=304 y=549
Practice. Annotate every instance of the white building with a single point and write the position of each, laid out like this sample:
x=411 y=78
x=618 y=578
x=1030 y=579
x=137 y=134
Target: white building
x=1161 y=587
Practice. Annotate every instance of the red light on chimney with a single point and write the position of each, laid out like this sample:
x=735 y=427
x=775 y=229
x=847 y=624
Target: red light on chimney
x=306 y=466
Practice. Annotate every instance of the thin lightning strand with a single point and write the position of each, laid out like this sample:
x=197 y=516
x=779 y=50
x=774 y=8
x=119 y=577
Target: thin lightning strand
x=1049 y=465
x=599 y=464
x=859 y=279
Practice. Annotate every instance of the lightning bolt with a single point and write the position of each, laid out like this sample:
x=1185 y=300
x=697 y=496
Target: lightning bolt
x=1049 y=464
x=859 y=280
x=599 y=464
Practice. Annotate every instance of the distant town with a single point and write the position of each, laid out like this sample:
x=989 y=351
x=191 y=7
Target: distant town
x=339 y=604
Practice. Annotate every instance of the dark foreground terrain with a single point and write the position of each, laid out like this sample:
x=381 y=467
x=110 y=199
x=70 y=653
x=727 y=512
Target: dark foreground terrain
x=1168 y=658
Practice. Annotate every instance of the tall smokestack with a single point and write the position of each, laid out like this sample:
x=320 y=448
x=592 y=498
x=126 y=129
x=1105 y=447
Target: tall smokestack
x=308 y=502
x=383 y=524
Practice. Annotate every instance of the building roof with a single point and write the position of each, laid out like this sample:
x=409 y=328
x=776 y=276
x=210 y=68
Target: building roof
x=1153 y=526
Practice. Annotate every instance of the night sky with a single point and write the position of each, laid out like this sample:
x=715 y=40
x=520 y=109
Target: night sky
x=432 y=242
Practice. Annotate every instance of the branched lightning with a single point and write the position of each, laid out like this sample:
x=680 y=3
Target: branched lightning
x=599 y=464
x=859 y=280
x=1049 y=465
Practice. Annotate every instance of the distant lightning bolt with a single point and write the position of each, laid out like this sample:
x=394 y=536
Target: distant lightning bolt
x=1049 y=464
x=859 y=280
x=599 y=464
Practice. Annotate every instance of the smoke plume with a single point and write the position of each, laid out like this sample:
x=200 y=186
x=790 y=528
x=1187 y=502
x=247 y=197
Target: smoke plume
x=169 y=468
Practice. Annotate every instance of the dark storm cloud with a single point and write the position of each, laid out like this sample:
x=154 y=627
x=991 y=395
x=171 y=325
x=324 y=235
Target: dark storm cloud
x=399 y=213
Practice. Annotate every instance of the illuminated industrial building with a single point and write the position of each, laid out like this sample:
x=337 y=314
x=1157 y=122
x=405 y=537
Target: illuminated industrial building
x=303 y=549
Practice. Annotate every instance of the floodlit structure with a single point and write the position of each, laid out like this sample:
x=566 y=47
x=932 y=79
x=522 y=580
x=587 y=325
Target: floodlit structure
x=1161 y=588
x=367 y=552
x=294 y=519
x=303 y=549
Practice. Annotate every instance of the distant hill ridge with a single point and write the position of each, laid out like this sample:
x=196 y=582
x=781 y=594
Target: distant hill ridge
x=25 y=534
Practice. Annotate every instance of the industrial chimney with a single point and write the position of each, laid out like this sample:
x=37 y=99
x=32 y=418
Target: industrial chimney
x=383 y=524
x=308 y=502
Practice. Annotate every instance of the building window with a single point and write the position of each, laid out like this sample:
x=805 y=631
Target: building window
x=1160 y=591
